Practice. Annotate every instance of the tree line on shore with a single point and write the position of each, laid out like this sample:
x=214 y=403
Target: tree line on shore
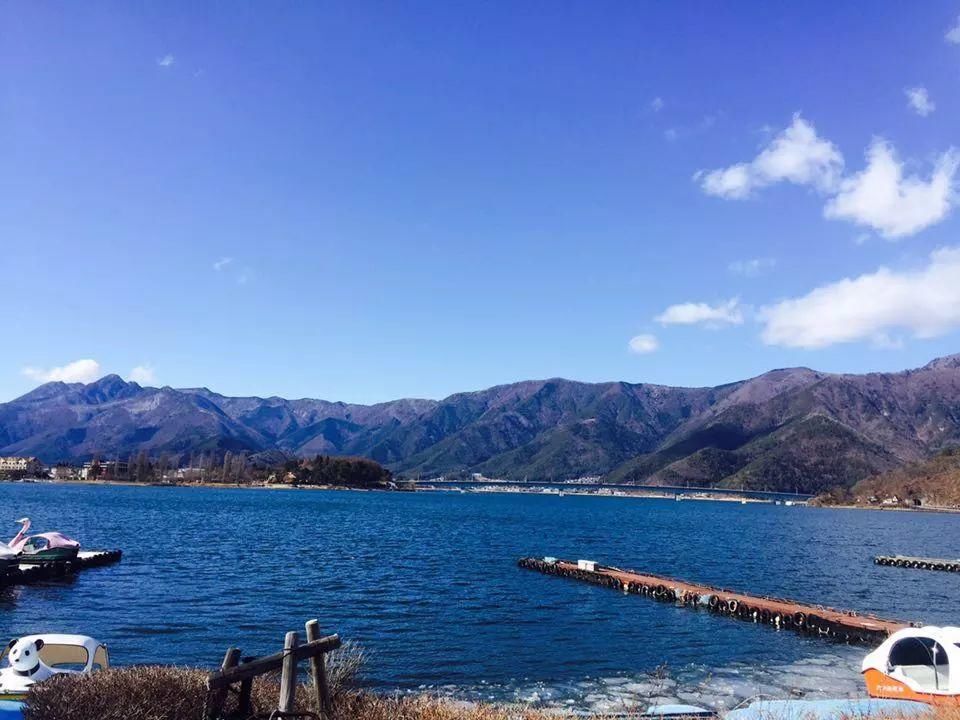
x=232 y=468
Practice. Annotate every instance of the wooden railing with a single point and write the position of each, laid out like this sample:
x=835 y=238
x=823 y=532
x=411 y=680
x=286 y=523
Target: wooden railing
x=233 y=672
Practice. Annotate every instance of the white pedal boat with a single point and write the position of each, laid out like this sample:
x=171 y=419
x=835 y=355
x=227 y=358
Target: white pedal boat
x=916 y=664
x=34 y=658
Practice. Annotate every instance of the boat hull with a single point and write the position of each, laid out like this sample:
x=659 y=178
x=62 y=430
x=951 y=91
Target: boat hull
x=880 y=685
x=10 y=709
x=49 y=555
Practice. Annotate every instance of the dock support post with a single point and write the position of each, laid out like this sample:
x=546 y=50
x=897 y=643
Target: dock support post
x=318 y=673
x=288 y=677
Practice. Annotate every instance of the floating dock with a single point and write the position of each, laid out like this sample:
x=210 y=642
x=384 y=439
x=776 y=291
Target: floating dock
x=842 y=625
x=918 y=562
x=24 y=573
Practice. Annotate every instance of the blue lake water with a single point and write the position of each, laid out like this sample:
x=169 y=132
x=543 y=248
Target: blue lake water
x=428 y=584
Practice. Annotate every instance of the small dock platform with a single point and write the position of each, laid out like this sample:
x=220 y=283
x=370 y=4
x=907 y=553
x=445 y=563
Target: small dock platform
x=841 y=625
x=24 y=574
x=920 y=563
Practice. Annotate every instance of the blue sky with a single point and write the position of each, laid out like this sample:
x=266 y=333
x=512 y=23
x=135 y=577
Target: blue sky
x=363 y=201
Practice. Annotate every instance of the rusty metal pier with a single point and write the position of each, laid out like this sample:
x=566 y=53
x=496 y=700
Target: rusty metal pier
x=841 y=625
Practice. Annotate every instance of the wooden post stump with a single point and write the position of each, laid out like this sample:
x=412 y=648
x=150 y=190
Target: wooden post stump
x=318 y=673
x=288 y=677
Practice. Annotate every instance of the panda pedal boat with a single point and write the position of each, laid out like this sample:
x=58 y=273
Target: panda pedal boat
x=35 y=658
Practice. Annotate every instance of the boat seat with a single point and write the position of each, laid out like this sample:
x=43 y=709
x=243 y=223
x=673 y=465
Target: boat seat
x=926 y=676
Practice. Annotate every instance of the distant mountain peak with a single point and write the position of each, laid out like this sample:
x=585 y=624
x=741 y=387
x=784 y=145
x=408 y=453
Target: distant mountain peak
x=110 y=387
x=947 y=362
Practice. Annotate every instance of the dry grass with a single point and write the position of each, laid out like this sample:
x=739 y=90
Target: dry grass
x=168 y=693
x=947 y=713
x=172 y=693
x=146 y=693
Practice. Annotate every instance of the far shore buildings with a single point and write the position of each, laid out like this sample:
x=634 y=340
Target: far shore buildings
x=29 y=465
x=63 y=472
x=109 y=470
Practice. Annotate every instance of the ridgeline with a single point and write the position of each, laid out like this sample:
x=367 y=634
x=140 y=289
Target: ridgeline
x=790 y=430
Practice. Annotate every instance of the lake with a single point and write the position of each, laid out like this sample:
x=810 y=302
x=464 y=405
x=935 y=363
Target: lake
x=428 y=584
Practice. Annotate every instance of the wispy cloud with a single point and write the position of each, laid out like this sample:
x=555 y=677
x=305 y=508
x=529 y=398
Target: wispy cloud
x=918 y=100
x=699 y=313
x=657 y=104
x=83 y=371
x=143 y=374
x=751 y=267
x=166 y=61
x=924 y=302
x=643 y=344
x=953 y=34
x=222 y=263
x=683 y=131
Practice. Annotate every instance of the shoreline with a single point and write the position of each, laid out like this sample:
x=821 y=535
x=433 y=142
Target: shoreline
x=483 y=490
x=573 y=491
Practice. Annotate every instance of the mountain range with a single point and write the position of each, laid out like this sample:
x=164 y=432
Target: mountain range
x=789 y=429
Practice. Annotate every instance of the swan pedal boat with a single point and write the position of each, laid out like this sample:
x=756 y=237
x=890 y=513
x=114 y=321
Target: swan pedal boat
x=43 y=547
x=35 y=658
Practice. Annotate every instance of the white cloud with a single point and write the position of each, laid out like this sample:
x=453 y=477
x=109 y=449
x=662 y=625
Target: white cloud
x=714 y=316
x=881 y=198
x=143 y=374
x=656 y=104
x=78 y=371
x=751 y=267
x=734 y=182
x=165 y=61
x=953 y=34
x=795 y=155
x=222 y=263
x=924 y=302
x=919 y=101
x=644 y=344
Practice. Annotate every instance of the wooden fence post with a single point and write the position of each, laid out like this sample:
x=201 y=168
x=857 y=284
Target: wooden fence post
x=288 y=677
x=216 y=699
x=318 y=672
x=244 y=704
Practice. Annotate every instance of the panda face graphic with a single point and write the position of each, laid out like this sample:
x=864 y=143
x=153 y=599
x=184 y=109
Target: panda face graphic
x=25 y=655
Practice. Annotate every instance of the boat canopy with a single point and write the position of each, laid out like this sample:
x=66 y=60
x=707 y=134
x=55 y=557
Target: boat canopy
x=69 y=652
x=926 y=660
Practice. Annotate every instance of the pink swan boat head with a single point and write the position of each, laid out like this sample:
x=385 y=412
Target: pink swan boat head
x=21 y=542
